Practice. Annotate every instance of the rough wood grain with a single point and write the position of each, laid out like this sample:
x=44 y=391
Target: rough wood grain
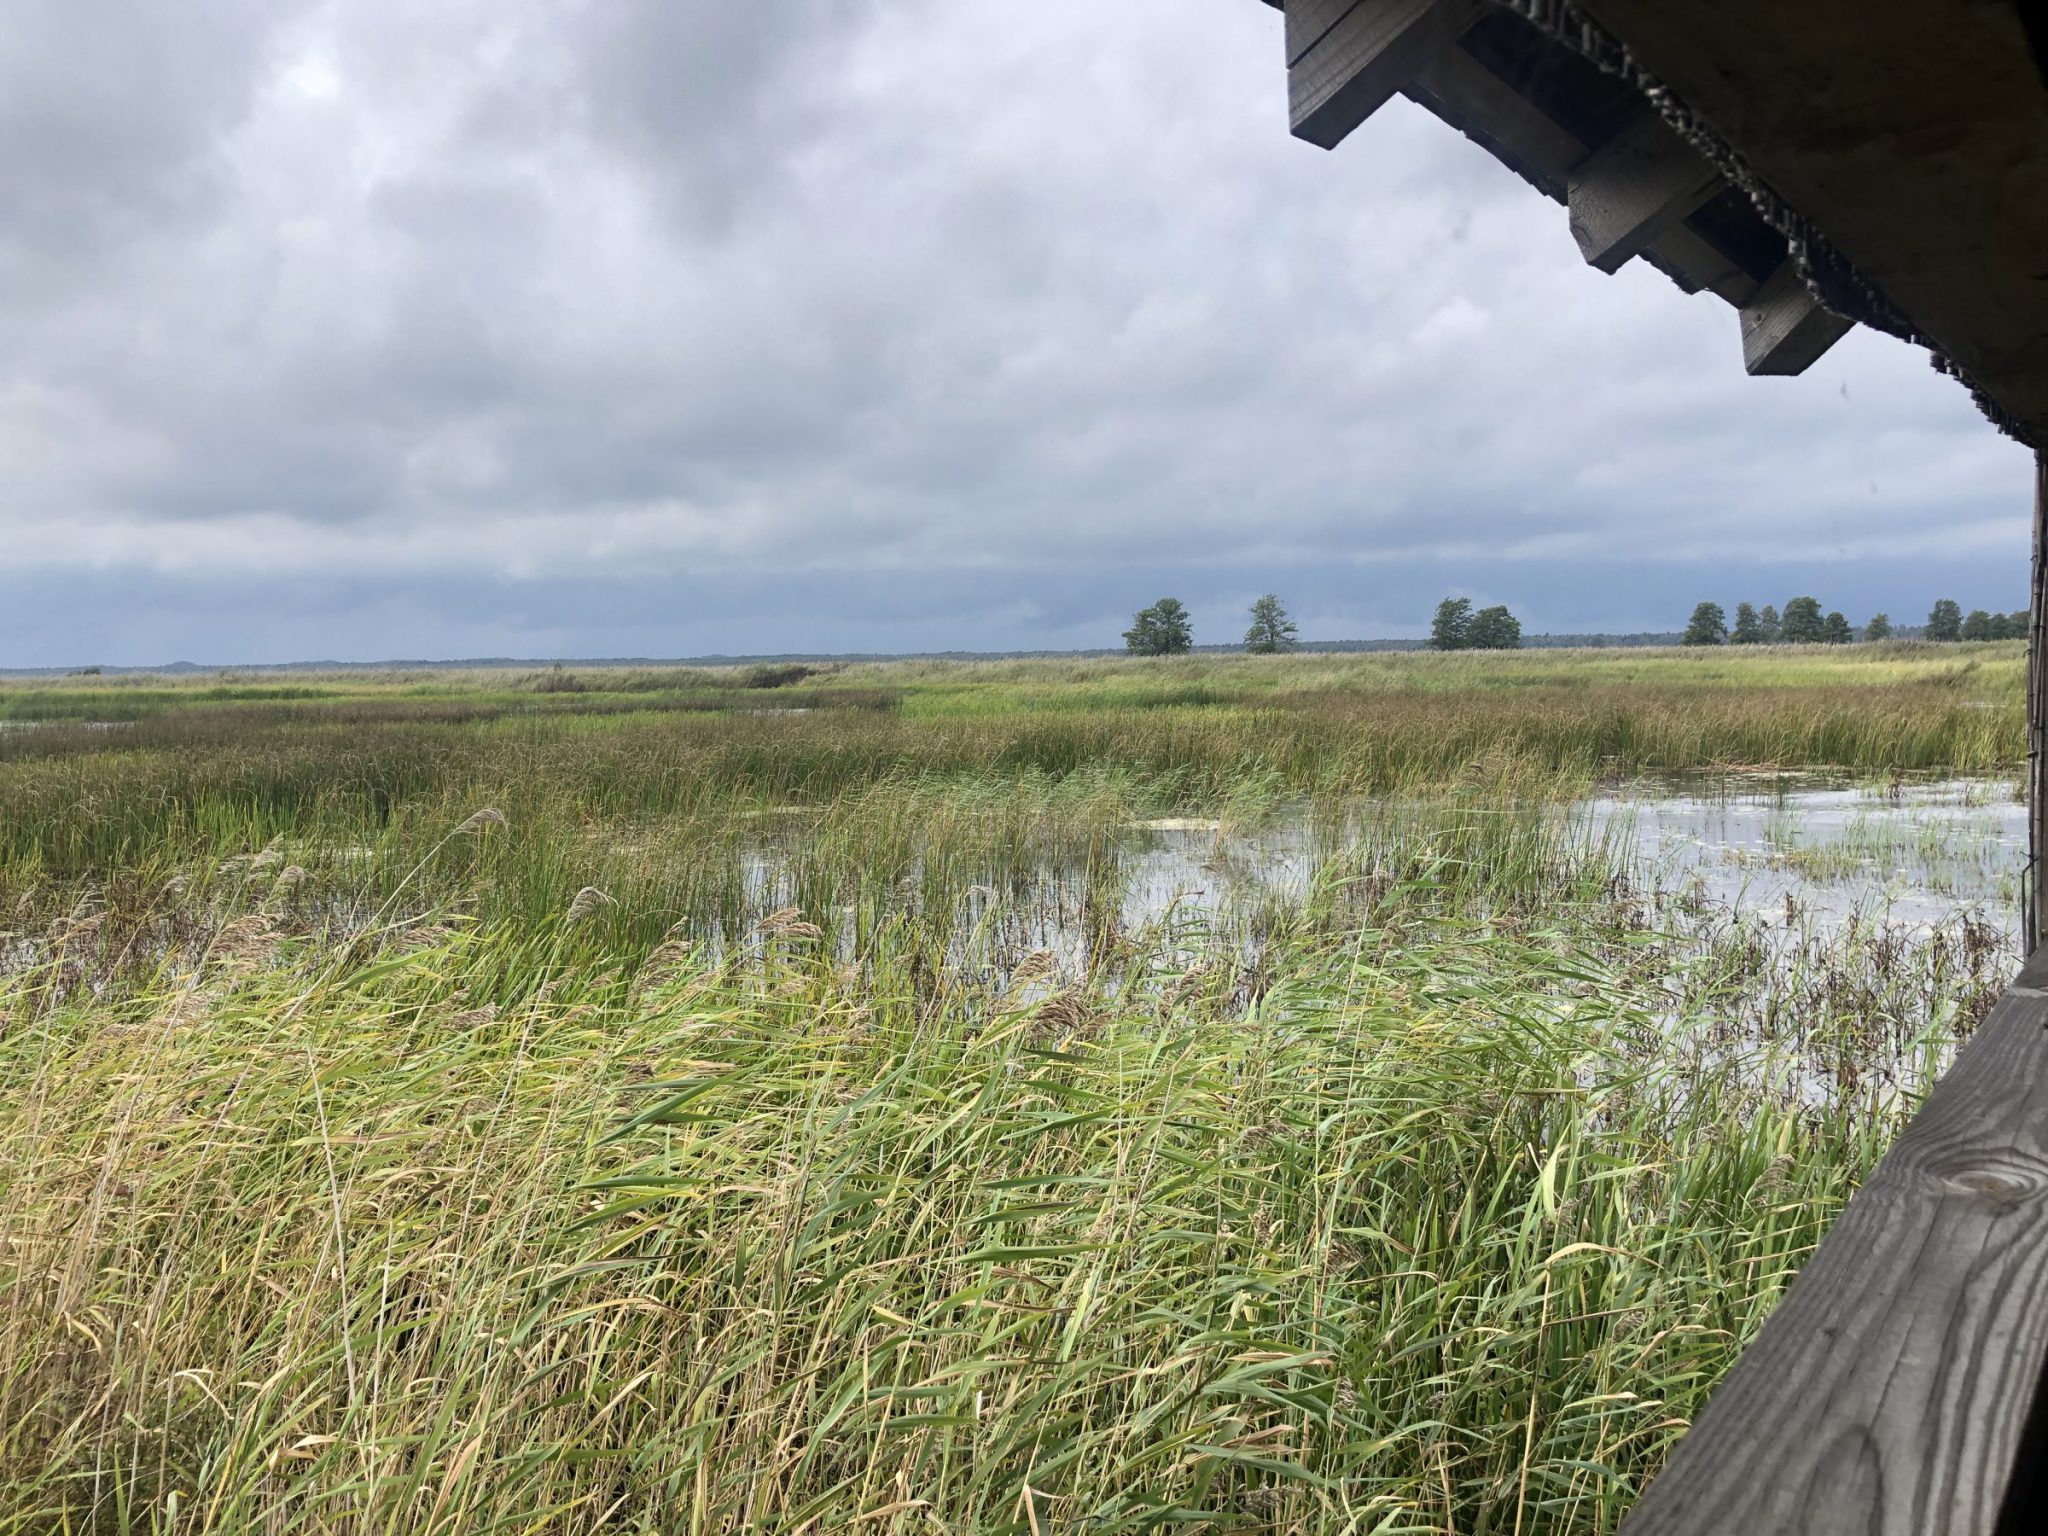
x=1889 y=1394
x=1310 y=21
x=1633 y=188
x=1785 y=328
x=1365 y=59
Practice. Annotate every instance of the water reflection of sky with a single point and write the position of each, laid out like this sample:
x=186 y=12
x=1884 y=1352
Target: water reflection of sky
x=1916 y=854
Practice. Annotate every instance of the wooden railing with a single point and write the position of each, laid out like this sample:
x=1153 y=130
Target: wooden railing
x=1897 y=1386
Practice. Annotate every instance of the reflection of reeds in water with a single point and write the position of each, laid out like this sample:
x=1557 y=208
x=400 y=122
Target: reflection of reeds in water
x=1943 y=850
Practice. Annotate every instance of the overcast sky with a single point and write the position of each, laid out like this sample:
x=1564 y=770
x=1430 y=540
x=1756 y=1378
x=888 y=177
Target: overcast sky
x=670 y=327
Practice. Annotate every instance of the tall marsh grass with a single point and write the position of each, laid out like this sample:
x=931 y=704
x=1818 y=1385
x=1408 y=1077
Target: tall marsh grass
x=780 y=1123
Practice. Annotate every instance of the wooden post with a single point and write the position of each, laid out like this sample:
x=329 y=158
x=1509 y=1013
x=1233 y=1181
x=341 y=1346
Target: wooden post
x=2034 y=891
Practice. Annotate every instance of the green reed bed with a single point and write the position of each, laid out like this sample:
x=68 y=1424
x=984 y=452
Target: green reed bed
x=740 y=1122
x=98 y=799
x=1416 y=1223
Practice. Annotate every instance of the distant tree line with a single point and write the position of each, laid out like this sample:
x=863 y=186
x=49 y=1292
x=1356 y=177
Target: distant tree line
x=1166 y=628
x=1803 y=623
x=1949 y=622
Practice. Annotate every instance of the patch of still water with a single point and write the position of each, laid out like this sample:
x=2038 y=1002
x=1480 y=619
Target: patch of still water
x=1818 y=851
x=1805 y=853
x=1915 y=853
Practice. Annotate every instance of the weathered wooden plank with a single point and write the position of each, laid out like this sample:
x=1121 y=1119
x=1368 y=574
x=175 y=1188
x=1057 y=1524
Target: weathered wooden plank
x=1310 y=21
x=1634 y=188
x=1785 y=328
x=1365 y=59
x=1465 y=93
x=1890 y=1392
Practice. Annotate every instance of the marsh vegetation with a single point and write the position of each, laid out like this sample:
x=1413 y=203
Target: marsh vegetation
x=795 y=1100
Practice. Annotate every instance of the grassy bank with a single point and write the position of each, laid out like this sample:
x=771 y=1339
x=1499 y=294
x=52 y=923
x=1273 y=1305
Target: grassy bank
x=458 y=1104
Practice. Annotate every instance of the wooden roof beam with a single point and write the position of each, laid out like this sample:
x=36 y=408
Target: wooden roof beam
x=1634 y=188
x=1354 y=58
x=1463 y=91
x=1785 y=328
x=1630 y=197
x=1310 y=21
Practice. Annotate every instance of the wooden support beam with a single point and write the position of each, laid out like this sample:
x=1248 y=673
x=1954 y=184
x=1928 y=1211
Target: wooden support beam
x=1464 y=92
x=2034 y=890
x=1693 y=260
x=1785 y=328
x=1891 y=1392
x=1364 y=58
x=1634 y=188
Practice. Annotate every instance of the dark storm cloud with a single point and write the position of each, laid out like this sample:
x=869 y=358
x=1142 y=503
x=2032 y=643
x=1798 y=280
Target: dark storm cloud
x=871 y=323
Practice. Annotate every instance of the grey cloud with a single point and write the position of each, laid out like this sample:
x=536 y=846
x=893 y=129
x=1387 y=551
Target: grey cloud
x=746 y=88
x=111 y=116
x=811 y=295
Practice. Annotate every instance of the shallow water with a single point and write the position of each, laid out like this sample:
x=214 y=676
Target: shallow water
x=1808 y=850
x=1791 y=853
x=1914 y=854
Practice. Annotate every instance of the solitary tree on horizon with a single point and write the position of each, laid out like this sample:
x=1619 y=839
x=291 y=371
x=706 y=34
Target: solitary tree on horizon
x=1879 y=627
x=1448 y=631
x=1945 y=621
x=1164 y=629
x=1271 y=630
x=1749 y=629
x=1767 y=621
x=1709 y=626
x=1835 y=629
